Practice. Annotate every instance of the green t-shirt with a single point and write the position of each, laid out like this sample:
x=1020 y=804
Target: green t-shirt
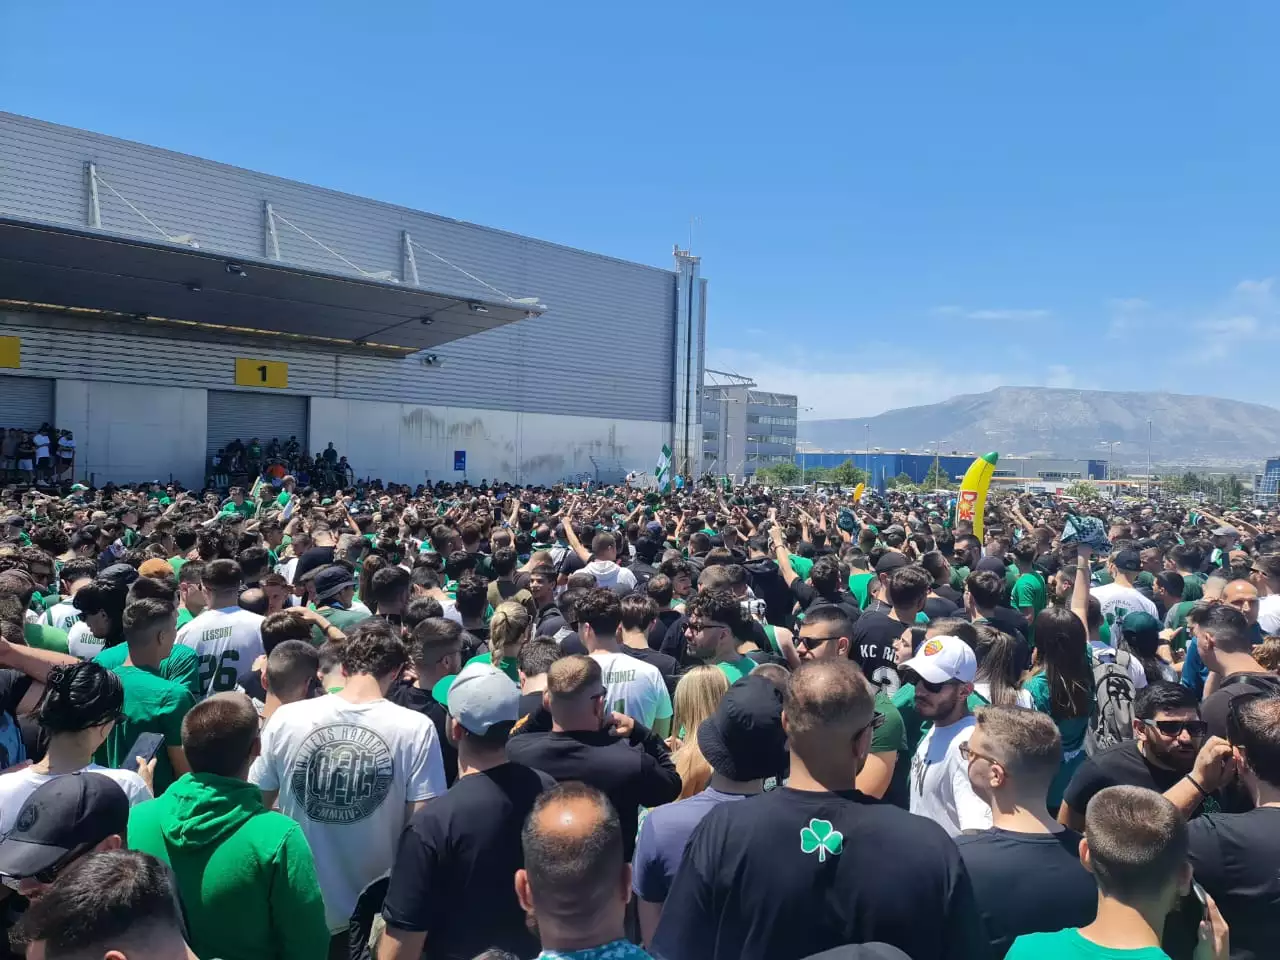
x=342 y=619
x=508 y=665
x=1011 y=574
x=185 y=616
x=891 y=736
x=1072 y=729
x=182 y=665
x=1177 y=620
x=152 y=704
x=1030 y=591
x=737 y=669
x=283 y=499
x=1069 y=945
x=958 y=575
x=859 y=586
x=246 y=509
x=1193 y=586
x=801 y=565
x=177 y=563
x=44 y=637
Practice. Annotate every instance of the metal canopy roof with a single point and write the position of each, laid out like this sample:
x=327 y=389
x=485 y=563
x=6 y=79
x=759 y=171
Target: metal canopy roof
x=56 y=266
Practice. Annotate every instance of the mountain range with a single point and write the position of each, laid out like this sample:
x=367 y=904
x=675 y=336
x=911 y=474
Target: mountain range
x=1047 y=421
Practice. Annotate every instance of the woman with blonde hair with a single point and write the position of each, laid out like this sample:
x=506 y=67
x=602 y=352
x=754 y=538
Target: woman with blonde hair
x=697 y=695
x=510 y=628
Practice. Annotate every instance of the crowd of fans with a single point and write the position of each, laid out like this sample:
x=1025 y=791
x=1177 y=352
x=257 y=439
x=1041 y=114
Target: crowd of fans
x=494 y=722
x=46 y=455
x=241 y=462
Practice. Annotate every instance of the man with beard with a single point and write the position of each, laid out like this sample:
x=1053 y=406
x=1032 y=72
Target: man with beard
x=943 y=671
x=1167 y=735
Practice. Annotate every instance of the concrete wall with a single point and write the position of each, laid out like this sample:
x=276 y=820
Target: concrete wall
x=132 y=432
x=410 y=443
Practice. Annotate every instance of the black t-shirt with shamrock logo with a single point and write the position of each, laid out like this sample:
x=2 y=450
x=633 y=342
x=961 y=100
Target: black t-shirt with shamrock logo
x=790 y=873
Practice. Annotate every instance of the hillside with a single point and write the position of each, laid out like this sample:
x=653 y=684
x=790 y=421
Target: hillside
x=1068 y=423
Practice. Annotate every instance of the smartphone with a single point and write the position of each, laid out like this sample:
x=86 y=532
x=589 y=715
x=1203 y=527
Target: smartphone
x=144 y=748
x=1201 y=896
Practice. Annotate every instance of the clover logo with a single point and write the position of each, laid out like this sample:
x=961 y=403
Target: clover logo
x=819 y=835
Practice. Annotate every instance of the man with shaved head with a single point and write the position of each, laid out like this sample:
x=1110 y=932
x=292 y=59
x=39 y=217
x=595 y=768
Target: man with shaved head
x=576 y=882
x=1239 y=595
x=753 y=868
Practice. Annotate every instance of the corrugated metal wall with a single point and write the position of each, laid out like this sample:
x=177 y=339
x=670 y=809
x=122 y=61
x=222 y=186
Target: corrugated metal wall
x=243 y=416
x=607 y=316
x=116 y=351
x=25 y=402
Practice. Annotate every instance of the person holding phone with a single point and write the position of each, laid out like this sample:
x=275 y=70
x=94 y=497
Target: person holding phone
x=152 y=704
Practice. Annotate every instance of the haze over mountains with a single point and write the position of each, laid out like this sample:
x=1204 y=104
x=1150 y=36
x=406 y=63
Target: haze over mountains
x=1046 y=421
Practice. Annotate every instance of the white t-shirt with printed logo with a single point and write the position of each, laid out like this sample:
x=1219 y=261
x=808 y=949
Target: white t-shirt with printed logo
x=1116 y=601
x=344 y=772
x=228 y=641
x=634 y=688
x=940 y=788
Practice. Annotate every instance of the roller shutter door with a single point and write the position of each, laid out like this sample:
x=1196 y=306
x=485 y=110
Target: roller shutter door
x=246 y=415
x=25 y=402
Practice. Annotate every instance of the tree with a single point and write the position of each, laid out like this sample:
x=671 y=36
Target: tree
x=779 y=475
x=902 y=481
x=936 y=478
x=1083 y=490
x=847 y=475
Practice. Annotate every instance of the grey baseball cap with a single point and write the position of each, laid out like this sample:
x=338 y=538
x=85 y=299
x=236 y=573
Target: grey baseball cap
x=482 y=695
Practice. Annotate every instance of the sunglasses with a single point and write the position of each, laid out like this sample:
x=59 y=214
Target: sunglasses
x=811 y=642
x=932 y=687
x=1171 y=728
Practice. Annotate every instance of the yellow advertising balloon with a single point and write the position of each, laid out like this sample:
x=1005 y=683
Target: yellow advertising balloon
x=972 y=500
x=858 y=491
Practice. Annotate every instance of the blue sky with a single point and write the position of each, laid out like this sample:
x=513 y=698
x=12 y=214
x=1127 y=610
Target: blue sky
x=897 y=202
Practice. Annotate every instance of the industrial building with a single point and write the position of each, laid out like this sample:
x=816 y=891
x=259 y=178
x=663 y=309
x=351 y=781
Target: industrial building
x=744 y=428
x=883 y=466
x=161 y=305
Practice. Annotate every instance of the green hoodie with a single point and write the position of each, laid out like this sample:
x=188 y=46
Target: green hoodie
x=245 y=874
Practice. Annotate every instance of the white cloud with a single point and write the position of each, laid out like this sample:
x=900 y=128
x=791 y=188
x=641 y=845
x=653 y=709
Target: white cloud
x=1243 y=326
x=1127 y=314
x=1255 y=287
x=835 y=388
x=1008 y=315
x=998 y=315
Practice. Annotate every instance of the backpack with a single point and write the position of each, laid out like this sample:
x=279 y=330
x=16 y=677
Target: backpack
x=1113 y=691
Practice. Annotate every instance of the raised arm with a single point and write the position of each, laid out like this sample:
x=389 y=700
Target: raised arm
x=1080 y=589
x=575 y=544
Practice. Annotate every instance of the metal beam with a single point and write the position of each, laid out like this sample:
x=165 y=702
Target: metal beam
x=272 y=239
x=409 y=269
x=95 y=210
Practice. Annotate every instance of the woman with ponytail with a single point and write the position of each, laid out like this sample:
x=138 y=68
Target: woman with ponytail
x=509 y=630
x=80 y=705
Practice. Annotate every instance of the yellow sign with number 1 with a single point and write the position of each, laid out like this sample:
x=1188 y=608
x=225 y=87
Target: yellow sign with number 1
x=261 y=373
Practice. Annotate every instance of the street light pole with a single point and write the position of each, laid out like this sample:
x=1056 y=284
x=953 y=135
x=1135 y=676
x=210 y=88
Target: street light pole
x=866 y=427
x=1148 y=458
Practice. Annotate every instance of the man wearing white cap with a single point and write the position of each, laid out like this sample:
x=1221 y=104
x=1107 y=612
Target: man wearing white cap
x=451 y=887
x=944 y=668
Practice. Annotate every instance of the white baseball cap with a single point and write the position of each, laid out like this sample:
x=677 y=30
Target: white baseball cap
x=482 y=695
x=940 y=659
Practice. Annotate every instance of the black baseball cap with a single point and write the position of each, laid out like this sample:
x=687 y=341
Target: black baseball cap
x=743 y=739
x=331 y=581
x=892 y=560
x=67 y=814
x=1128 y=560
